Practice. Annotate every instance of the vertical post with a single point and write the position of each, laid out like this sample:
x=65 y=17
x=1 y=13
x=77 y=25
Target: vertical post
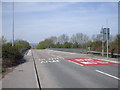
x=102 y=34
x=107 y=35
x=102 y=48
x=13 y=26
x=107 y=43
x=107 y=49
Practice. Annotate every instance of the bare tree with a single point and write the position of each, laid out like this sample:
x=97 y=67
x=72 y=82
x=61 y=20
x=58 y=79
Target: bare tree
x=73 y=39
x=54 y=39
x=112 y=38
x=80 y=38
x=85 y=38
x=96 y=37
x=63 y=38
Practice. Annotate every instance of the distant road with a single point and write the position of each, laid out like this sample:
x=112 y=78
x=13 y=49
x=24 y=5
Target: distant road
x=77 y=50
x=55 y=71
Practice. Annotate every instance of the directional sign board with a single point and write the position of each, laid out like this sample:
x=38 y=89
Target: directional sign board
x=90 y=62
x=105 y=34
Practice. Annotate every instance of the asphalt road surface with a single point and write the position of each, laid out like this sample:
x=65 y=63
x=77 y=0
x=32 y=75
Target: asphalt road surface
x=54 y=71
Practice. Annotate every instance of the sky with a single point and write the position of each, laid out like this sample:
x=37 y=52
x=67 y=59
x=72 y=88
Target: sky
x=35 y=21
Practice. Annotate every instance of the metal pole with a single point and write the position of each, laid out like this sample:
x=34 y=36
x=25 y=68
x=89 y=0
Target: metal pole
x=102 y=32
x=107 y=31
x=107 y=48
x=102 y=48
x=13 y=26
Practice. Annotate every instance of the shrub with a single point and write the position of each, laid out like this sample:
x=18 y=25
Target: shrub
x=10 y=55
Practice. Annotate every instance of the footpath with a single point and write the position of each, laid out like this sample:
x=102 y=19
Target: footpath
x=23 y=76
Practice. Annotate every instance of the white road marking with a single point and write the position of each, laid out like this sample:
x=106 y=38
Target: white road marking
x=41 y=62
x=76 y=63
x=53 y=61
x=60 y=57
x=49 y=61
x=107 y=60
x=108 y=74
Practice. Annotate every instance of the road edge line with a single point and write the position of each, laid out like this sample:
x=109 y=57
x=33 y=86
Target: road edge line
x=108 y=74
x=36 y=72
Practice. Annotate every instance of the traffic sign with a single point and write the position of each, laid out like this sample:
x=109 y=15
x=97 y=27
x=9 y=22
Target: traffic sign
x=105 y=34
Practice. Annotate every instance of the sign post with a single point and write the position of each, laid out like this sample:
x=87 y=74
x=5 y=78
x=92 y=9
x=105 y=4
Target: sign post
x=105 y=37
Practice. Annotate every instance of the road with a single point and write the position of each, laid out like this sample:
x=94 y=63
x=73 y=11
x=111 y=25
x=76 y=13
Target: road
x=54 y=71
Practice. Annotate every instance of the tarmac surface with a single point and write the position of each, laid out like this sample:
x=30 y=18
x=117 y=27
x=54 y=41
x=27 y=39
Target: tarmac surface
x=51 y=69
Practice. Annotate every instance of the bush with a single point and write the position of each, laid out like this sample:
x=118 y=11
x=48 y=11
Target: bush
x=10 y=55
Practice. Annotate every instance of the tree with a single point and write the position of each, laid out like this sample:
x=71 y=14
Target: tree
x=48 y=43
x=117 y=43
x=75 y=45
x=58 y=45
x=54 y=39
x=63 y=38
x=22 y=44
x=96 y=37
x=73 y=39
x=67 y=45
x=3 y=40
x=41 y=45
x=79 y=40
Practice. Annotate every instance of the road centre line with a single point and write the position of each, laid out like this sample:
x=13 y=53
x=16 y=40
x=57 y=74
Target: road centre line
x=107 y=74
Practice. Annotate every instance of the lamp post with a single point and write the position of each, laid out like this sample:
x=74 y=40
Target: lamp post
x=13 y=26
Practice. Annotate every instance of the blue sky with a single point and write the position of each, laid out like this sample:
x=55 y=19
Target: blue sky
x=35 y=21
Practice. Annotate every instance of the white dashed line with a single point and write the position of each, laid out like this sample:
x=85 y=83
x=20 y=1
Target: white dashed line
x=107 y=74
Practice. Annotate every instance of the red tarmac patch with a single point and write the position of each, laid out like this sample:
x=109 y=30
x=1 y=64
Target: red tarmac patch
x=90 y=62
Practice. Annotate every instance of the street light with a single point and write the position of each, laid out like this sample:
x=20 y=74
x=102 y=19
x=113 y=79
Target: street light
x=13 y=26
